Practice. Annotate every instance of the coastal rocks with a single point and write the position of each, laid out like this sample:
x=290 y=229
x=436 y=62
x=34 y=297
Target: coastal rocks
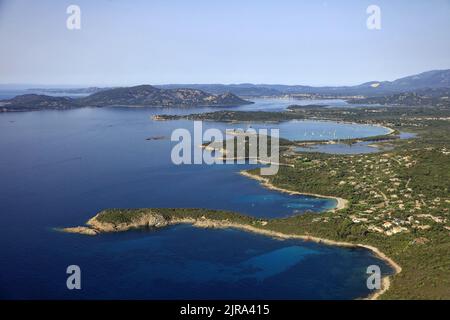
x=144 y=221
x=81 y=230
x=116 y=220
x=96 y=225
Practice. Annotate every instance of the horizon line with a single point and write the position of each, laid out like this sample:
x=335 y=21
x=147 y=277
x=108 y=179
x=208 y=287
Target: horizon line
x=36 y=85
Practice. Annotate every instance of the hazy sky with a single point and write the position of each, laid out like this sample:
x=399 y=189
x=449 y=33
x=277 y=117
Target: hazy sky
x=230 y=41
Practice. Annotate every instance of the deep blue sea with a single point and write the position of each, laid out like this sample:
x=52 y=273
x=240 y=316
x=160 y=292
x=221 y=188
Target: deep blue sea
x=59 y=168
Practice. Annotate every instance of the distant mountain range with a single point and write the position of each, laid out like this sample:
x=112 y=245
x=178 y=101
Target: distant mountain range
x=439 y=97
x=144 y=95
x=427 y=88
x=425 y=80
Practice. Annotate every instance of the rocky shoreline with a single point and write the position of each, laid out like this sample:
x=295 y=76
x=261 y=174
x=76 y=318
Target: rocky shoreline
x=153 y=219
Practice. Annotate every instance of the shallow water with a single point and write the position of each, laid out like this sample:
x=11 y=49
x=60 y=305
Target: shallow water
x=59 y=168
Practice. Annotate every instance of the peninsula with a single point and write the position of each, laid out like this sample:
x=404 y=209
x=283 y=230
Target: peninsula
x=119 y=220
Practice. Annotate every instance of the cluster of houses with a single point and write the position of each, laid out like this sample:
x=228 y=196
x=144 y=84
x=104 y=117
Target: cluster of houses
x=389 y=204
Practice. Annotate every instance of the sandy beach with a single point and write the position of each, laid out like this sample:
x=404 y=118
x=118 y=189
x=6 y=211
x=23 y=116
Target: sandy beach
x=95 y=227
x=385 y=283
x=340 y=202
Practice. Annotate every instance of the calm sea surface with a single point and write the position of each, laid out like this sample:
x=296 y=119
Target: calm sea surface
x=59 y=168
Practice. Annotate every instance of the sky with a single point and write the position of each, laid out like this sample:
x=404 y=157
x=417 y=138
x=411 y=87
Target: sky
x=309 y=42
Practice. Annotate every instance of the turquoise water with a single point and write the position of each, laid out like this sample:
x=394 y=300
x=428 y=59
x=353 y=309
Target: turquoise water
x=59 y=168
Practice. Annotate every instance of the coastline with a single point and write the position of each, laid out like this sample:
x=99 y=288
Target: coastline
x=385 y=281
x=390 y=130
x=341 y=203
x=95 y=227
x=389 y=133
